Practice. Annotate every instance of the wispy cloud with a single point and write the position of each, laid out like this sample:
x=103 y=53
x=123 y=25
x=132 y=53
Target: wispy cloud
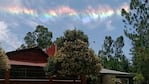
x=7 y=37
x=109 y=25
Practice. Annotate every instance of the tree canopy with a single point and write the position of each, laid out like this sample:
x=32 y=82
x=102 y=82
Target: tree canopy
x=71 y=35
x=40 y=37
x=74 y=57
x=137 y=30
x=3 y=60
x=112 y=56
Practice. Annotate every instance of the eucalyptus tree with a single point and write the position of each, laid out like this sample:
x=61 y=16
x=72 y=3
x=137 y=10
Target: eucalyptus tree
x=40 y=37
x=112 y=56
x=137 y=30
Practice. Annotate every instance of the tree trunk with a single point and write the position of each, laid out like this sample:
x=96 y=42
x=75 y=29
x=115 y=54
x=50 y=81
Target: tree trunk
x=7 y=75
x=83 y=79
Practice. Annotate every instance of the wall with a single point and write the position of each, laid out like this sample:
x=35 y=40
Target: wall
x=108 y=79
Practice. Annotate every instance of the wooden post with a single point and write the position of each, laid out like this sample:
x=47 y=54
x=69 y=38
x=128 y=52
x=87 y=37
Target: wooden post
x=7 y=75
x=83 y=79
x=130 y=80
x=50 y=80
x=74 y=81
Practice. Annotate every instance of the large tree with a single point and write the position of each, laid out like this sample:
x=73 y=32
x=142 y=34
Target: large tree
x=40 y=37
x=137 y=30
x=74 y=57
x=112 y=56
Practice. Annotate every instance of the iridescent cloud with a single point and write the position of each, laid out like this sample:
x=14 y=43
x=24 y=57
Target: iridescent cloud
x=17 y=10
x=85 y=15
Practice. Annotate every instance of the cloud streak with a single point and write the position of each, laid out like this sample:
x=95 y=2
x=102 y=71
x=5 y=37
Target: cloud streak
x=86 y=15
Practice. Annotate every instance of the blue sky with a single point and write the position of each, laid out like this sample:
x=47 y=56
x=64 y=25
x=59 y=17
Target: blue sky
x=96 y=18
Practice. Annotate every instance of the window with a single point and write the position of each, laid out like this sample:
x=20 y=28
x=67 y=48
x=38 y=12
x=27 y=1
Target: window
x=27 y=72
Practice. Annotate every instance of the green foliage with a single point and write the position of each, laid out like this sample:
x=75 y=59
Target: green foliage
x=40 y=37
x=138 y=78
x=71 y=35
x=137 y=30
x=51 y=66
x=73 y=58
x=112 y=56
x=3 y=60
x=93 y=79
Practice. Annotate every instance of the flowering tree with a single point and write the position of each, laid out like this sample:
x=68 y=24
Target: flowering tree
x=3 y=60
x=74 y=58
x=4 y=65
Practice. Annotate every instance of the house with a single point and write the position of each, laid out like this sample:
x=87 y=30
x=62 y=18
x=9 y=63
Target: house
x=108 y=76
x=27 y=63
x=27 y=67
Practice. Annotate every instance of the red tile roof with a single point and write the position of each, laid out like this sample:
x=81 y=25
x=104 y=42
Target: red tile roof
x=32 y=55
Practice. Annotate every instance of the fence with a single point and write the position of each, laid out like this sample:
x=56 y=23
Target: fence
x=40 y=81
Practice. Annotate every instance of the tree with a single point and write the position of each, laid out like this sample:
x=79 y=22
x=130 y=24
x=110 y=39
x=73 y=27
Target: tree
x=137 y=30
x=71 y=35
x=4 y=65
x=3 y=60
x=40 y=37
x=106 y=53
x=112 y=56
x=121 y=60
x=73 y=58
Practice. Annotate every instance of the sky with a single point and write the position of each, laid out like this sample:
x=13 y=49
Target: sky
x=96 y=18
